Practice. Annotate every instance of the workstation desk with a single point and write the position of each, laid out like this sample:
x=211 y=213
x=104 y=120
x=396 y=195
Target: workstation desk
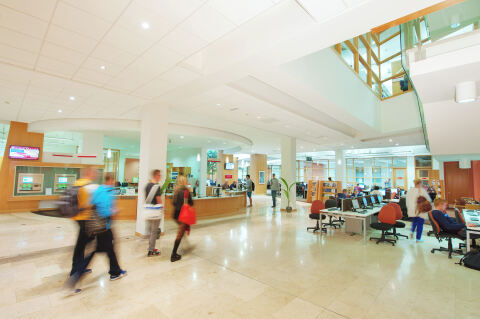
x=363 y=217
x=471 y=217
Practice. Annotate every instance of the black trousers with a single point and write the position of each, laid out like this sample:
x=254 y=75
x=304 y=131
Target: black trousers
x=79 y=252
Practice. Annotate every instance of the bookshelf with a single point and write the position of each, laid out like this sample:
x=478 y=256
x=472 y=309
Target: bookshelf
x=329 y=188
x=431 y=177
x=312 y=191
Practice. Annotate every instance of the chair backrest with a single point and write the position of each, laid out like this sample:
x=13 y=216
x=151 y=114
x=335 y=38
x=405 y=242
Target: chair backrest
x=317 y=206
x=393 y=195
x=387 y=215
x=331 y=203
x=435 y=226
x=459 y=216
x=398 y=210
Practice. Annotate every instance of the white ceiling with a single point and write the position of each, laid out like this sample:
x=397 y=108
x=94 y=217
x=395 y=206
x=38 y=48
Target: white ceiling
x=113 y=56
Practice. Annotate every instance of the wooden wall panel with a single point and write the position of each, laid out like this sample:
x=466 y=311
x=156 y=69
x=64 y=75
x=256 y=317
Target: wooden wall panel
x=458 y=181
x=258 y=162
x=131 y=169
x=476 y=179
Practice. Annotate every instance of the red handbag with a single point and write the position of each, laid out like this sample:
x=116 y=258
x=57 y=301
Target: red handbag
x=187 y=213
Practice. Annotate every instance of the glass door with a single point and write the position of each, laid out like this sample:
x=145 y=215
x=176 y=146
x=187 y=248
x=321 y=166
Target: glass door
x=400 y=178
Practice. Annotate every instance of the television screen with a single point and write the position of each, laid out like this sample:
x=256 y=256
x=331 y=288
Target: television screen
x=23 y=152
x=63 y=180
x=229 y=165
x=28 y=179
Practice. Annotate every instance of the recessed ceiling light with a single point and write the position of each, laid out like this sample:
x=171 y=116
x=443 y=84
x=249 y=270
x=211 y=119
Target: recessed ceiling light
x=145 y=25
x=341 y=144
x=390 y=140
x=352 y=146
x=259 y=117
x=224 y=142
x=182 y=137
x=59 y=111
x=72 y=98
x=102 y=67
x=218 y=104
x=397 y=144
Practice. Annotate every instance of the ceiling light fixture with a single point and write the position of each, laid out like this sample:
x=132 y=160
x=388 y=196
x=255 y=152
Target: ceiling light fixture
x=145 y=25
x=102 y=67
x=59 y=111
x=396 y=144
x=218 y=104
x=72 y=98
x=466 y=92
x=198 y=157
x=109 y=153
x=390 y=140
x=182 y=137
x=259 y=117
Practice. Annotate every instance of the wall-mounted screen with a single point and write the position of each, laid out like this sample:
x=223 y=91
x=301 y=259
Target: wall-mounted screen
x=23 y=152
x=63 y=179
x=28 y=179
x=229 y=165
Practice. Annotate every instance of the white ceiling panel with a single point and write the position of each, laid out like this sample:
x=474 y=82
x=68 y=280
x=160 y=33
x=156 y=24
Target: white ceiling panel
x=55 y=67
x=155 y=61
x=62 y=54
x=208 y=24
x=40 y=9
x=132 y=42
x=178 y=75
x=322 y=10
x=352 y=3
x=154 y=88
x=19 y=57
x=176 y=10
x=183 y=42
x=113 y=54
x=79 y=21
x=108 y=10
x=22 y=23
x=102 y=66
x=70 y=39
x=239 y=11
x=129 y=80
x=19 y=40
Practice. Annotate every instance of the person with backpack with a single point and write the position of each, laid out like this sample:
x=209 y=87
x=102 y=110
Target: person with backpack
x=250 y=189
x=180 y=196
x=84 y=188
x=153 y=193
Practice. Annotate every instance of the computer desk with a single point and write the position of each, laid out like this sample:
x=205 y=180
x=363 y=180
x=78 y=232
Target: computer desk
x=349 y=214
x=394 y=200
x=468 y=220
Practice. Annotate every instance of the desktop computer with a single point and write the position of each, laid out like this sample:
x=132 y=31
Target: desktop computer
x=346 y=205
x=380 y=198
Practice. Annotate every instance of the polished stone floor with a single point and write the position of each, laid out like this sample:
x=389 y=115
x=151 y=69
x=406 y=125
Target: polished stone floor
x=260 y=264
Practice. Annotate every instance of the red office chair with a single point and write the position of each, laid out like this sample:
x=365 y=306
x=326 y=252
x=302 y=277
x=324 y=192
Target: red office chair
x=441 y=235
x=317 y=206
x=393 y=195
x=398 y=224
x=387 y=218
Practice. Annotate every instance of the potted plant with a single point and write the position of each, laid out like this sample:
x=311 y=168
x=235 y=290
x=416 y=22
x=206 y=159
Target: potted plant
x=287 y=193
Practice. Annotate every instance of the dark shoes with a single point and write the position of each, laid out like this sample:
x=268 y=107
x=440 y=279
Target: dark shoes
x=153 y=253
x=175 y=257
x=122 y=274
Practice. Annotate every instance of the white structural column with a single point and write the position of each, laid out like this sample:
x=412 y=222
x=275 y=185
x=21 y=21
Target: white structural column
x=153 y=153
x=219 y=175
x=410 y=171
x=92 y=144
x=340 y=167
x=203 y=172
x=289 y=169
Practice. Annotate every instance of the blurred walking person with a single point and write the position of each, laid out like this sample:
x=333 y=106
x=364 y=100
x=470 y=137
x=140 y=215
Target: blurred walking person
x=178 y=199
x=153 y=193
x=274 y=189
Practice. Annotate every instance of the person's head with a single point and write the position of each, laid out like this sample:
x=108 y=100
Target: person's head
x=440 y=204
x=329 y=179
x=181 y=182
x=248 y=176
x=376 y=188
x=355 y=191
x=417 y=182
x=156 y=175
x=109 y=180
x=89 y=173
x=273 y=175
x=344 y=191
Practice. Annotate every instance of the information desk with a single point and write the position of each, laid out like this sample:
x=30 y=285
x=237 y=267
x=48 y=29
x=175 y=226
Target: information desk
x=471 y=217
x=127 y=207
x=212 y=206
x=352 y=215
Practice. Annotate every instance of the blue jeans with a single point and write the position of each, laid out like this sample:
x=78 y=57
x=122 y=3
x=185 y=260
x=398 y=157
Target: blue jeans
x=417 y=222
x=274 y=198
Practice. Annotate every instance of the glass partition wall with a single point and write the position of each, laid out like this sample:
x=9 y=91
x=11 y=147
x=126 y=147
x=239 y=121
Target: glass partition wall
x=381 y=171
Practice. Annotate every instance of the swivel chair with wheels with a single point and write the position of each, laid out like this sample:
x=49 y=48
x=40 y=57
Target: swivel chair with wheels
x=441 y=235
x=332 y=203
x=398 y=224
x=387 y=218
x=317 y=206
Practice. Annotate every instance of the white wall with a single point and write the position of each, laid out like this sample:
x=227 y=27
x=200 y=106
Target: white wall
x=185 y=157
x=400 y=113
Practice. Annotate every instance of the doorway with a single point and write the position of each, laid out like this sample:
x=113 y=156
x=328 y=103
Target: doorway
x=458 y=182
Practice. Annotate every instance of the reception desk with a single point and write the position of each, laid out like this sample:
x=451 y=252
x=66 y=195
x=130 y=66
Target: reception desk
x=127 y=207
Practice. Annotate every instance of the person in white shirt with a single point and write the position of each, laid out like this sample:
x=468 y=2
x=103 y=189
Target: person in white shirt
x=376 y=191
x=418 y=218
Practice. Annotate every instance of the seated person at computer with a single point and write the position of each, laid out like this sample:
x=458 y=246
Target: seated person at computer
x=343 y=194
x=233 y=185
x=376 y=191
x=356 y=193
x=447 y=223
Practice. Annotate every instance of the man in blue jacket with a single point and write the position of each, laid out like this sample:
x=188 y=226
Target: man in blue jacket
x=447 y=223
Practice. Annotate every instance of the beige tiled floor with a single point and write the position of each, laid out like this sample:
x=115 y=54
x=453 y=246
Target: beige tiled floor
x=261 y=264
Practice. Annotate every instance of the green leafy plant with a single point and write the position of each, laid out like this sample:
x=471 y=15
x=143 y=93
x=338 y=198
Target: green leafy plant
x=287 y=191
x=165 y=185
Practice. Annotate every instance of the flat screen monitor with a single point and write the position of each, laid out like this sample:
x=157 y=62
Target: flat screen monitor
x=380 y=198
x=355 y=203
x=27 y=179
x=346 y=205
x=373 y=198
x=63 y=180
x=23 y=152
x=369 y=200
x=382 y=191
x=364 y=201
x=229 y=165
x=362 y=186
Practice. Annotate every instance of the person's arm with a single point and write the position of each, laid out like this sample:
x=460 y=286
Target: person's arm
x=190 y=200
x=445 y=224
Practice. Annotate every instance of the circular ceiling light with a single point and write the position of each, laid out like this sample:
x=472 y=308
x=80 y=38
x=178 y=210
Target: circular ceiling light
x=102 y=67
x=145 y=25
x=72 y=98
x=182 y=137
x=466 y=92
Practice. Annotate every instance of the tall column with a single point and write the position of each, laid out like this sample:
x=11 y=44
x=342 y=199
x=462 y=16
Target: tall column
x=289 y=169
x=92 y=144
x=219 y=176
x=153 y=153
x=203 y=171
x=340 y=167
x=410 y=171
x=258 y=163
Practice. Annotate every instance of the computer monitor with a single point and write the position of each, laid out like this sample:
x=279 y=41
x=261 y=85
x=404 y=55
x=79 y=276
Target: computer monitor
x=346 y=205
x=380 y=198
x=382 y=191
x=355 y=204
x=365 y=202
x=369 y=200
x=362 y=186
x=373 y=198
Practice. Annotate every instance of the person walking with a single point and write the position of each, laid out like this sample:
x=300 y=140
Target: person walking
x=249 y=189
x=418 y=217
x=99 y=225
x=274 y=188
x=153 y=193
x=178 y=199
x=86 y=188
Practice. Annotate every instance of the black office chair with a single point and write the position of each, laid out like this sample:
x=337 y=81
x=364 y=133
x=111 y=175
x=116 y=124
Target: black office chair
x=403 y=207
x=459 y=218
x=317 y=206
x=441 y=235
x=331 y=203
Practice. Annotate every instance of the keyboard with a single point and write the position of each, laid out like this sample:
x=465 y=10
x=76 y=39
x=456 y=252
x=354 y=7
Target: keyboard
x=332 y=209
x=361 y=211
x=474 y=219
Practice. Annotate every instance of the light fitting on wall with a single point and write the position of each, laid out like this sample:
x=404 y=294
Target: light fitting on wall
x=227 y=160
x=109 y=153
x=198 y=157
x=466 y=92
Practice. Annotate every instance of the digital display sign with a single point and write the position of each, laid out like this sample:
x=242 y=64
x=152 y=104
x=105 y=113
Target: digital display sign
x=24 y=152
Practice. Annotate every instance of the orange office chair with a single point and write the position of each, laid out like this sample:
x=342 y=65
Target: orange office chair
x=394 y=194
x=398 y=223
x=387 y=218
x=317 y=206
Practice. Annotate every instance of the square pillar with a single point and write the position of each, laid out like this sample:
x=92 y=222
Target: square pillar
x=258 y=163
x=340 y=167
x=289 y=169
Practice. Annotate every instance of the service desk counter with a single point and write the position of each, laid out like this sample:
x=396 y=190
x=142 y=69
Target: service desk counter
x=127 y=207
x=208 y=207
